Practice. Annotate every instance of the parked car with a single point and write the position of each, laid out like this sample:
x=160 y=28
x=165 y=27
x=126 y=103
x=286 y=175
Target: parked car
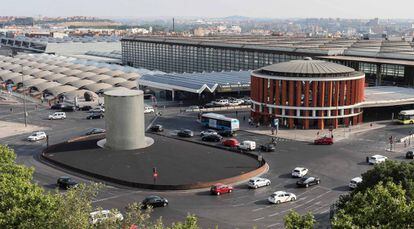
x=185 y=133
x=207 y=132
x=299 y=172
x=268 y=148
x=57 y=115
x=324 y=141
x=308 y=181
x=376 y=159
x=235 y=102
x=37 y=136
x=354 y=182
x=154 y=201
x=281 y=197
x=157 y=128
x=95 y=116
x=248 y=145
x=99 y=109
x=232 y=142
x=258 y=182
x=222 y=102
x=148 y=109
x=95 y=131
x=247 y=101
x=212 y=138
x=57 y=106
x=193 y=109
x=409 y=155
x=98 y=217
x=227 y=133
x=69 y=108
x=85 y=108
x=219 y=189
x=66 y=183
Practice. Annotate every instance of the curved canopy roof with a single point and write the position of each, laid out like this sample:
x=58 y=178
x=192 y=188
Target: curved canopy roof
x=98 y=78
x=130 y=76
x=115 y=73
x=98 y=87
x=13 y=67
x=113 y=81
x=78 y=93
x=308 y=66
x=81 y=83
x=33 y=82
x=63 y=63
x=5 y=72
x=42 y=74
x=128 y=84
x=86 y=75
x=50 y=67
x=46 y=85
x=88 y=68
x=53 y=77
x=68 y=79
x=10 y=75
x=76 y=66
x=59 y=70
x=2 y=64
x=72 y=72
x=55 y=91
x=101 y=70
x=18 y=79
x=30 y=71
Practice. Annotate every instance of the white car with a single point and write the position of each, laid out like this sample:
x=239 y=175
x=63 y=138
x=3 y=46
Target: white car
x=37 y=136
x=281 y=197
x=236 y=102
x=57 y=116
x=354 y=182
x=299 y=172
x=192 y=109
x=222 y=102
x=148 y=109
x=248 y=145
x=97 y=110
x=376 y=159
x=258 y=182
x=97 y=217
x=208 y=132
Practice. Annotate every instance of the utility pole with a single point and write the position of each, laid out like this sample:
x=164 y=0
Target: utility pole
x=24 y=102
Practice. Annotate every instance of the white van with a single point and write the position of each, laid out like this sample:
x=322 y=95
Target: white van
x=248 y=145
x=376 y=159
x=221 y=102
x=57 y=116
x=354 y=182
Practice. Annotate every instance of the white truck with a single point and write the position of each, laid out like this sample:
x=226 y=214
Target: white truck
x=248 y=145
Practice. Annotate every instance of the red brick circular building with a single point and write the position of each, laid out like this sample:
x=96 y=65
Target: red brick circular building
x=307 y=94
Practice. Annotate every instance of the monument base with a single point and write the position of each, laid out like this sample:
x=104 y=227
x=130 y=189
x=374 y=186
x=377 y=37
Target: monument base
x=148 y=142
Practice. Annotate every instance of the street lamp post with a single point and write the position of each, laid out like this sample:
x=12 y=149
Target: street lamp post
x=24 y=102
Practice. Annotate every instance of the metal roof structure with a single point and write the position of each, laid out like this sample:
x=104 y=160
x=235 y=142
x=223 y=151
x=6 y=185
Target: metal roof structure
x=114 y=81
x=46 y=85
x=128 y=84
x=308 y=66
x=55 y=91
x=81 y=83
x=98 y=78
x=8 y=76
x=33 y=82
x=19 y=79
x=198 y=82
x=68 y=79
x=97 y=88
x=53 y=77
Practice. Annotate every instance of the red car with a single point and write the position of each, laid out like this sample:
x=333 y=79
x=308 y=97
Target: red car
x=219 y=189
x=324 y=141
x=231 y=142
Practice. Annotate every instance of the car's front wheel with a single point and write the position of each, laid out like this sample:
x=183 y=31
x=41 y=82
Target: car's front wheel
x=306 y=185
x=230 y=191
x=292 y=199
x=268 y=184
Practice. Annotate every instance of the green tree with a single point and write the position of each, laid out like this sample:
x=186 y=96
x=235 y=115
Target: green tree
x=382 y=206
x=22 y=203
x=295 y=221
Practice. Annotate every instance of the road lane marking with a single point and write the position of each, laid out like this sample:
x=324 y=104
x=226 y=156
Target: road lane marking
x=258 y=219
x=257 y=209
x=274 y=214
x=272 y=225
x=115 y=197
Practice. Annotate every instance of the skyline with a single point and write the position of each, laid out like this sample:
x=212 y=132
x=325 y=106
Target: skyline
x=276 y=9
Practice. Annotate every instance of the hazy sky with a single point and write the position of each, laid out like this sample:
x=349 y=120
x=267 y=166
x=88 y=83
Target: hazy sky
x=212 y=8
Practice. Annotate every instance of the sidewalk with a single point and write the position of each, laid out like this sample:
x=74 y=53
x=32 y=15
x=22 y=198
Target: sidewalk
x=310 y=135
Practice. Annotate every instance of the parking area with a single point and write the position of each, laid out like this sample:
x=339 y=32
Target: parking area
x=335 y=165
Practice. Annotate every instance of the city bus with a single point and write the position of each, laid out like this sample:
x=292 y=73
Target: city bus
x=218 y=121
x=406 y=117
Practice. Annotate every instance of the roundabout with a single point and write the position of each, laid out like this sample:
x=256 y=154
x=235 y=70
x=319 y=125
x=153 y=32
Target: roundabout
x=179 y=164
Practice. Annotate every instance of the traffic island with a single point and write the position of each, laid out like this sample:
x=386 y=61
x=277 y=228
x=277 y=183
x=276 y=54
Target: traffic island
x=168 y=164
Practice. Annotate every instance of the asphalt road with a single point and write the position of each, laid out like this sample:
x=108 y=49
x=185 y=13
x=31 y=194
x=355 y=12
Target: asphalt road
x=244 y=208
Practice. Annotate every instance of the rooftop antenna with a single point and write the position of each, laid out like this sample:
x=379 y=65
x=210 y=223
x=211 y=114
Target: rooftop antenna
x=173 y=29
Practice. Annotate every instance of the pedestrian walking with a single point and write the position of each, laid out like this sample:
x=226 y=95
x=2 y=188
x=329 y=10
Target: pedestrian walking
x=250 y=121
x=273 y=131
x=237 y=113
x=244 y=118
